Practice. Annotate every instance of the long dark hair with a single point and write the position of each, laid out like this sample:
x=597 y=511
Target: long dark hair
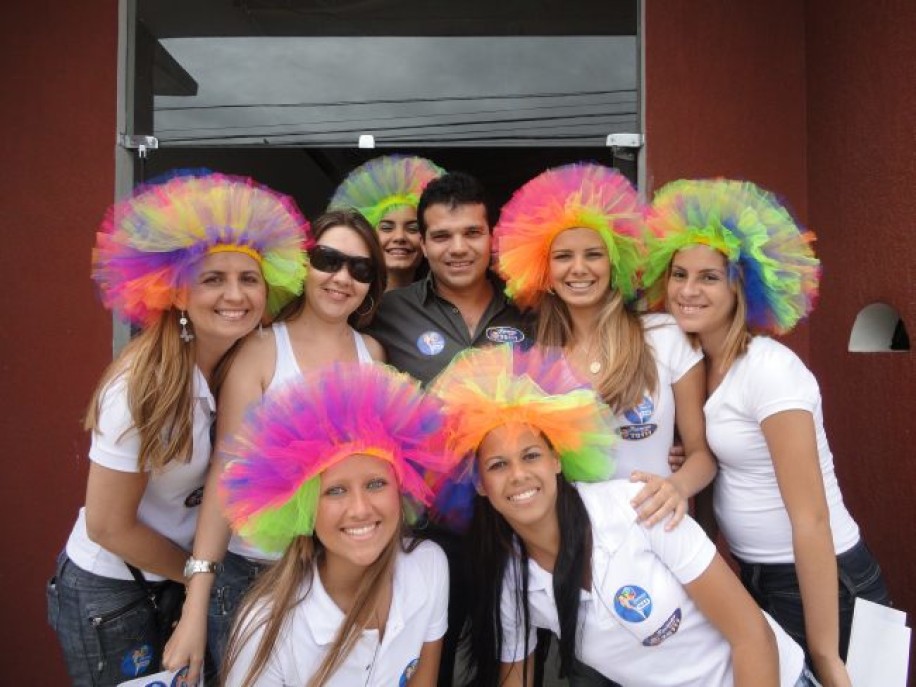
x=492 y=547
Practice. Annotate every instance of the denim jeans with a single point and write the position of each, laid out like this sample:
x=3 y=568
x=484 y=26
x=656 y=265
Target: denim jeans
x=806 y=679
x=775 y=588
x=106 y=627
x=229 y=587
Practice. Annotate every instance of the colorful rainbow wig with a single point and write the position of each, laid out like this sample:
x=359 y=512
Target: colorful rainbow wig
x=766 y=249
x=271 y=483
x=585 y=195
x=378 y=186
x=150 y=244
x=483 y=389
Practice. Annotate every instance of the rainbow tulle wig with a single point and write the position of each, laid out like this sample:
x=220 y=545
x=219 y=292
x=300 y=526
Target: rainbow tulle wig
x=585 y=195
x=383 y=184
x=150 y=244
x=483 y=389
x=759 y=238
x=271 y=483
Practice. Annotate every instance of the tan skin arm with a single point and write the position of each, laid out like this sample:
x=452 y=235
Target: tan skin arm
x=428 y=667
x=791 y=439
x=727 y=605
x=112 y=500
x=510 y=674
x=244 y=385
x=669 y=495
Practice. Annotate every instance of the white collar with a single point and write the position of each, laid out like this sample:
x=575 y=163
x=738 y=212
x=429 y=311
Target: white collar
x=324 y=617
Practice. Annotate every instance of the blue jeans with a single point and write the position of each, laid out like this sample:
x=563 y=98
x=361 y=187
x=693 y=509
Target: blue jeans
x=806 y=679
x=106 y=627
x=775 y=588
x=229 y=587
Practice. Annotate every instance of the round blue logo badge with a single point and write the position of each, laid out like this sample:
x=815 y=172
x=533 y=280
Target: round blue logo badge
x=137 y=660
x=632 y=603
x=505 y=335
x=430 y=343
x=408 y=672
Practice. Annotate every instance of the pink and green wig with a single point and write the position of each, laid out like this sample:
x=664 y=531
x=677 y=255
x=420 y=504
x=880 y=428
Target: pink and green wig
x=483 y=389
x=271 y=483
x=756 y=234
x=151 y=244
x=383 y=184
x=579 y=195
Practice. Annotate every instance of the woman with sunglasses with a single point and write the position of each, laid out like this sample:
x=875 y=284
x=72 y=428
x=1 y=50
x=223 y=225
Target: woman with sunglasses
x=343 y=285
x=386 y=191
x=192 y=261
x=734 y=268
x=553 y=544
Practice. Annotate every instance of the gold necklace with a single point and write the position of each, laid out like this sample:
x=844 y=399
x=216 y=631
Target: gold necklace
x=594 y=366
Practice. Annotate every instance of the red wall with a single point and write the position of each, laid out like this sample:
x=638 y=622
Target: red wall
x=816 y=101
x=862 y=202
x=57 y=176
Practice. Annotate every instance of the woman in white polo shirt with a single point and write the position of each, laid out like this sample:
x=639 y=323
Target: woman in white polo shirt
x=330 y=470
x=570 y=244
x=193 y=261
x=734 y=267
x=642 y=606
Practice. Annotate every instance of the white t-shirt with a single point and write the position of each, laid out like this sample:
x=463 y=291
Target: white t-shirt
x=637 y=625
x=170 y=503
x=647 y=431
x=767 y=380
x=286 y=370
x=418 y=614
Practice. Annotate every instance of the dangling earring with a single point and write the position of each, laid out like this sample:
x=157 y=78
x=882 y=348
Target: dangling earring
x=261 y=330
x=369 y=309
x=185 y=335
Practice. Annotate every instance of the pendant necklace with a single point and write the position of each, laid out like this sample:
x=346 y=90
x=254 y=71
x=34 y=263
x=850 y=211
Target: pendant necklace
x=594 y=367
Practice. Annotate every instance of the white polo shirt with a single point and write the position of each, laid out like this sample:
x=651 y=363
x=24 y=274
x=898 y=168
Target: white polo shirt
x=637 y=625
x=418 y=614
x=170 y=503
x=647 y=431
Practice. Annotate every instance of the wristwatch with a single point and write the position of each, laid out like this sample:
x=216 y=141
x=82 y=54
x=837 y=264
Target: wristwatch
x=195 y=565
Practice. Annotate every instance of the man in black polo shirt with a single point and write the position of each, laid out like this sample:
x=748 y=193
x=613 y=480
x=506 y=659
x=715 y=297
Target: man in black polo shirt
x=460 y=303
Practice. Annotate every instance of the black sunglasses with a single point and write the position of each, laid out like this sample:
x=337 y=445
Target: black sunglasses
x=327 y=259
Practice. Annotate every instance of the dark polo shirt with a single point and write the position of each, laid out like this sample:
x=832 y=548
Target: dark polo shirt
x=422 y=332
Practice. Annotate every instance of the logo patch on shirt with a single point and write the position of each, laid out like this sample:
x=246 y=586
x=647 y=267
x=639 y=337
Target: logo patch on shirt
x=430 y=343
x=137 y=660
x=505 y=335
x=639 y=416
x=408 y=672
x=633 y=603
x=194 y=498
x=668 y=628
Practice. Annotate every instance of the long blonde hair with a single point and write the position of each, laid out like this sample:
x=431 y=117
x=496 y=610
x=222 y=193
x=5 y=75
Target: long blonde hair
x=628 y=368
x=283 y=586
x=159 y=367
